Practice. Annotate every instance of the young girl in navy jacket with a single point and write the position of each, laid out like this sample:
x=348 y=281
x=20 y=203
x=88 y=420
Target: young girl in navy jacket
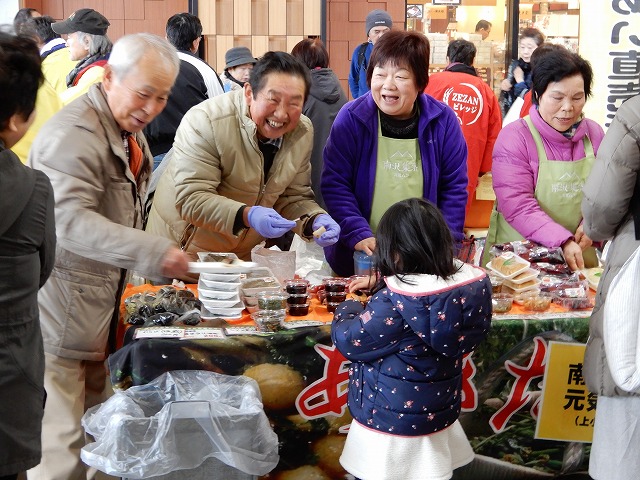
x=406 y=346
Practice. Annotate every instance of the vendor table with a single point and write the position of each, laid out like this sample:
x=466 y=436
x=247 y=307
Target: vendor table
x=303 y=381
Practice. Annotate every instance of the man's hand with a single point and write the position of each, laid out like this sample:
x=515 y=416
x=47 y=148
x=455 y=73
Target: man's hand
x=269 y=223
x=175 y=263
x=325 y=230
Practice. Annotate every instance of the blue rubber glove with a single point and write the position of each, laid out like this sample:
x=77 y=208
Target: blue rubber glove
x=332 y=233
x=268 y=222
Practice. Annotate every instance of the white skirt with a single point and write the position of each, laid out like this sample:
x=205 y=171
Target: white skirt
x=372 y=455
x=616 y=437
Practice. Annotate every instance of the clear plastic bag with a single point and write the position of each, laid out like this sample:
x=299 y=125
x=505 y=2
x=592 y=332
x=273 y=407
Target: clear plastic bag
x=282 y=264
x=178 y=421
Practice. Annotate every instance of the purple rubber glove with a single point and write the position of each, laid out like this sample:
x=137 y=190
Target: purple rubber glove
x=332 y=230
x=268 y=222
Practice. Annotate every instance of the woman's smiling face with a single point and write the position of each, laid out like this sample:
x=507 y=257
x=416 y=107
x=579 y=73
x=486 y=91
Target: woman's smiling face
x=562 y=102
x=394 y=90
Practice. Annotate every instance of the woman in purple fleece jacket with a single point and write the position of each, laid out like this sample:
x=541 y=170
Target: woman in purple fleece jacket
x=541 y=162
x=392 y=143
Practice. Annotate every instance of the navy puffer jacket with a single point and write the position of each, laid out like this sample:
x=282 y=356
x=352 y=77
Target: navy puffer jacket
x=406 y=348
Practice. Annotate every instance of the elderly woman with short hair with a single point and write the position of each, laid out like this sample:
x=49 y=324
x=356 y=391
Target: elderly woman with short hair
x=541 y=162
x=393 y=143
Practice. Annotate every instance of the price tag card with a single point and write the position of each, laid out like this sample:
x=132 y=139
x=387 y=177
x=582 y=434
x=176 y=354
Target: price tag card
x=289 y=324
x=203 y=332
x=159 y=332
x=242 y=331
x=484 y=190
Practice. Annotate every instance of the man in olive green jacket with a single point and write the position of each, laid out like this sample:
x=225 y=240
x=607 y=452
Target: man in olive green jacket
x=239 y=170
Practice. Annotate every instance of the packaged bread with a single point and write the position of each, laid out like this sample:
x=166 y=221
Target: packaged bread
x=508 y=265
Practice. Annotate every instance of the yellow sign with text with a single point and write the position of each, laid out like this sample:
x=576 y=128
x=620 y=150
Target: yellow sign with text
x=567 y=409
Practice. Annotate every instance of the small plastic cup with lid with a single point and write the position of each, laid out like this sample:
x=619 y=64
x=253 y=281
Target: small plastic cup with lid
x=298 y=309
x=297 y=299
x=272 y=301
x=269 y=320
x=335 y=285
x=296 y=286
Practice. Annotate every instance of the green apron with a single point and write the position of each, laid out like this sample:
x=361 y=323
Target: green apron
x=559 y=199
x=398 y=174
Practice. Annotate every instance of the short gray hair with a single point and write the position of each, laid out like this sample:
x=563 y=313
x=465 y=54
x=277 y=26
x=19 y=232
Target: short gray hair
x=128 y=51
x=98 y=44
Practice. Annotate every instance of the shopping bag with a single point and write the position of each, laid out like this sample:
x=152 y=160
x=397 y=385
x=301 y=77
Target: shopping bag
x=514 y=112
x=622 y=325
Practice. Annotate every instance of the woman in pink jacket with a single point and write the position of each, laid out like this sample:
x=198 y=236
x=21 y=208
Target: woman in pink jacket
x=541 y=162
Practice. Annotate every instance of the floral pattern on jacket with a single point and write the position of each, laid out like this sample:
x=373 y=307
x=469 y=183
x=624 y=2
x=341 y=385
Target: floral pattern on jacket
x=407 y=347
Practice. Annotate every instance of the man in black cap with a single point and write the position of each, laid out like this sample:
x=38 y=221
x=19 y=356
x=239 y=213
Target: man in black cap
x=89 y=45
x=239 y=63
x=377 y=23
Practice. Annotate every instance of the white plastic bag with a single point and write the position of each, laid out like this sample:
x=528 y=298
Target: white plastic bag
x=514 y=112
x=178 y=421
x=310 y=261
x=622 y=325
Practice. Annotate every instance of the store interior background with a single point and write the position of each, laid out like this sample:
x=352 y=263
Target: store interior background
x=264 y=25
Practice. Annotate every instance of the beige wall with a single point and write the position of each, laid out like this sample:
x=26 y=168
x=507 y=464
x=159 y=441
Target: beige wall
x=125 y=16
x=261 y=25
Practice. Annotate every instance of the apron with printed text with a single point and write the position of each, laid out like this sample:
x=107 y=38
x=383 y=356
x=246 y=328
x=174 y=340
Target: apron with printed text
x=398 y=174
x=558 y=192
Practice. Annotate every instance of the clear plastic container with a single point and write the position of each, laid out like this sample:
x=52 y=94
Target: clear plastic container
x=331 y=306
x=508 y=265
x=298 y=309
x=297 y=299
x=361 y=263
x=335 y=284
x=272 y=301
x=336 y=297
x=537 y=302
x=269 y=320
x=296 y=286
x=501 y=302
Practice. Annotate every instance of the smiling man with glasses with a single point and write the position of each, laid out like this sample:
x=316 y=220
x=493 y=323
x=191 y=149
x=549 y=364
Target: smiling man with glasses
x=239 y=170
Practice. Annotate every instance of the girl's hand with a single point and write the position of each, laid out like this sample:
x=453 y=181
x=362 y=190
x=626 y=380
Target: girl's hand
x=368 y=245
x=505 y=85
x=518 y=74
x=362 y=283
x=582 y=239
x=573 y=255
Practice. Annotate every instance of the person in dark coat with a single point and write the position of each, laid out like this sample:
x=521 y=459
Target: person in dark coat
x=27 y=251
x=326 y=98
x=406 y=346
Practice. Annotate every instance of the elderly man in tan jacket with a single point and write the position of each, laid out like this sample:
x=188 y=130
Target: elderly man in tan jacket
x=99 y=165
x=239 y=170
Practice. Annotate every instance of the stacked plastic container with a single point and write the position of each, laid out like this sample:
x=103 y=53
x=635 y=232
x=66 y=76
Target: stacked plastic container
x=219 y=289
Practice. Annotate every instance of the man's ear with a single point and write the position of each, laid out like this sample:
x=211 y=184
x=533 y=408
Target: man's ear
x=248 y=93
x=195 y=44
x=12 y=125
x=108 y=77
